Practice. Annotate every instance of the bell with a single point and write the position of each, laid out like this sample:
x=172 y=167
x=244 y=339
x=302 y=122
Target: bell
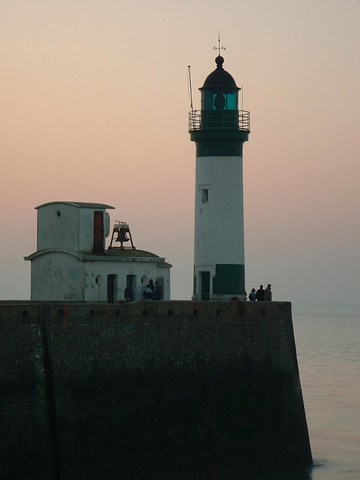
x=122 y=236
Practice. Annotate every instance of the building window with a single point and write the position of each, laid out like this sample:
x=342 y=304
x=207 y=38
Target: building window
x=204 y=195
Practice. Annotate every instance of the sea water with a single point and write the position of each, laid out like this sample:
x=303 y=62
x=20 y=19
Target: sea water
x=328 y=350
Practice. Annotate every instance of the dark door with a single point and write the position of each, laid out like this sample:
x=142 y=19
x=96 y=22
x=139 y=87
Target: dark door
x=111 y=288
x=130 y=288
x=205 y=285
x=99 y=239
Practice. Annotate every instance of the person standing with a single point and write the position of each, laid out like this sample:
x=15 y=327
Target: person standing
x=149 y=291
x=128 y=294
x=151 y=285
x=260 y=294
x=268 y=293
x=158 y=291
x=252 y=295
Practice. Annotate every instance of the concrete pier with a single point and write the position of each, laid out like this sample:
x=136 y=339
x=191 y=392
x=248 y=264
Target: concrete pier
x=155 y=390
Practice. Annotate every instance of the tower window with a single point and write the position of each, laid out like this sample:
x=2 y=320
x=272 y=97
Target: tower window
x=204 y=195
x=219 y=101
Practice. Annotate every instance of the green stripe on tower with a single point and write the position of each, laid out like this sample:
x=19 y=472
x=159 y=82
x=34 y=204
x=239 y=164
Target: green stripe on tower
x=229 y=279
x=222 y=143
x=219 y=149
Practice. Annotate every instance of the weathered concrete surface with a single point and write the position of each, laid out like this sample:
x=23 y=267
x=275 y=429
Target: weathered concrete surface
x=23 y=422
x=170 y=390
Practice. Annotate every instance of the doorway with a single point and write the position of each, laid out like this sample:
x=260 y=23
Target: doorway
x=205 y=286
x=130 y=289
x=112 y=288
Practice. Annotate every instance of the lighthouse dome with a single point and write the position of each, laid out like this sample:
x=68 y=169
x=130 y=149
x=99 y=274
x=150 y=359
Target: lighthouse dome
x=219 y=78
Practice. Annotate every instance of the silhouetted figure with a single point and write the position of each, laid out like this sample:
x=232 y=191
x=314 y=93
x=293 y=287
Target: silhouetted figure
x=158 y=291
x=149 y=291
x=260 y=294
x=252 y=295
x=128 y=294
x=151 y=285
x=268 y=293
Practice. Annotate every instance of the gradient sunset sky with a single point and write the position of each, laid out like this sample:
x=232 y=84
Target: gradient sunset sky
x=94 y=101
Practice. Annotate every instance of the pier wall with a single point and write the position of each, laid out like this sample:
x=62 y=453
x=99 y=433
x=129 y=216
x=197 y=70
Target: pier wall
x=155 y=390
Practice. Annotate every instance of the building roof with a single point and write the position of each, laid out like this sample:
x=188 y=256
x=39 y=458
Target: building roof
x=135 y=255
x=129 y=253
x=113 y=254
x=219 y=78
x=98 y=206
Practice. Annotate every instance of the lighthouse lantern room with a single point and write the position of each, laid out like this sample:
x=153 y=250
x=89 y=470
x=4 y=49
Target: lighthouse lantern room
x=219 y=131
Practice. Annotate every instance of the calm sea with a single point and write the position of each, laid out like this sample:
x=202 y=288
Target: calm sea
x=328 y=348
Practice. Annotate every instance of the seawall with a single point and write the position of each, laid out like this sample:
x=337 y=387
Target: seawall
x=157 y=390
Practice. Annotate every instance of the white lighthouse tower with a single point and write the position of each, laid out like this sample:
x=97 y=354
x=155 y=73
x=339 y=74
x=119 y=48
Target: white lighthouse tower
x=219 y=131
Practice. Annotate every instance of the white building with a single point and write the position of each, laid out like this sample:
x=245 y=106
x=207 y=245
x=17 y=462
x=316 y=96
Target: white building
x=72 y=263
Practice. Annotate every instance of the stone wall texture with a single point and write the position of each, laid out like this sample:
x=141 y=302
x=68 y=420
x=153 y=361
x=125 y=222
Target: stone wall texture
x=155 y=390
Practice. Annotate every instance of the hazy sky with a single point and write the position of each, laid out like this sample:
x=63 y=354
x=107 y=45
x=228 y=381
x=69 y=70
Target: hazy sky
x=94 y=105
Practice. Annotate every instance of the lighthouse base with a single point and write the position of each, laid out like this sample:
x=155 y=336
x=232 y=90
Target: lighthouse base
x=220 y=282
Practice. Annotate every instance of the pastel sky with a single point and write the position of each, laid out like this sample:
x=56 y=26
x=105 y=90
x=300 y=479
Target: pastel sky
x=94 y=105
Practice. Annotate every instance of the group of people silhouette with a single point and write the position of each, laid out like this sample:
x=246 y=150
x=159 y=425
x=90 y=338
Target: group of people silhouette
x=261 y=295
x=152 y=291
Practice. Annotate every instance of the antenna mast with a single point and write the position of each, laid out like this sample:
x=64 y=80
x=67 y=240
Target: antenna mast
x=190 y=89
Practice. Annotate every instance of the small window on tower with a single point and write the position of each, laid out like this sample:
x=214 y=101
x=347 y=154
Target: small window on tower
x=204 y=195
x=219 y=101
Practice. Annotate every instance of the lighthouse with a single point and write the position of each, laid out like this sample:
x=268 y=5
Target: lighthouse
x=219 y=131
